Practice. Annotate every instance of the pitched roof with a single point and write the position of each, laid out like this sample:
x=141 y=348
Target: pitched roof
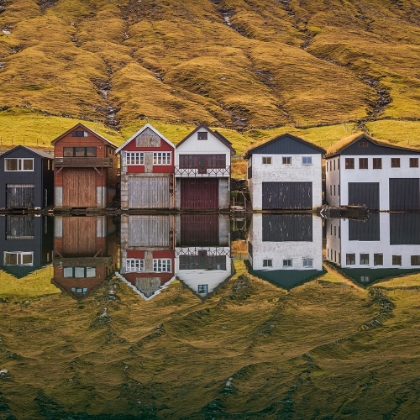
x=279 y=138
x=94 y=133
x=216 y=134
x=139 y=132
x=345 y=142
x=36 y=151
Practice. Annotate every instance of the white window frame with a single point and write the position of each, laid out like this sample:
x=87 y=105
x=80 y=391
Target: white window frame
x=267 y=160
x=20 y=255
x=307 y=163
x=134 y=265
x=20 y=165
x=134 y=158
x=162 y=158
x=308 y=263
x=162 y=265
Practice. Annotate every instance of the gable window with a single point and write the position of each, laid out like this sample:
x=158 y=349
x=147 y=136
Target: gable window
x=266 y=160
x=363 y=144
x=79 y=134
x=395 y=162
x=162 y=265
x=377 y=163
x=306 y=160
x=378 y=259
x=414 y=162
x=161 y=158
x=364 y=259
x=288 y=263
x=134 y=265
x=415 y=260
x=364 y=279
x=396 y=260
x=202 y=135
x=134 y=158
x=79 y=151
x=349 y=163
x=18 y=258
x=267 y=263
x=308 y=263
x=287 y=160
x=350 y=259
x=19 y=165
x=203 y=288
x=363 y=163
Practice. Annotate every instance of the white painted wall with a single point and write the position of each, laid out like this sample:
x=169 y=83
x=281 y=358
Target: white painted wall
x=279 y=251
x=332 y=172
x=278 y=172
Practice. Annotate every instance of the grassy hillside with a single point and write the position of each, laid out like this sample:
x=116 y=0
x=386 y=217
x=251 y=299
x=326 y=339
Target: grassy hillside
x=237 y=64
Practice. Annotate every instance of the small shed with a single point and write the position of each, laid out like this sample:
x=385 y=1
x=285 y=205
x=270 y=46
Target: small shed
x=26 y=179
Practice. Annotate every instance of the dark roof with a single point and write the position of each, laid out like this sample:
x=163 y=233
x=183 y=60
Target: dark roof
x=80 y=125
x=283 y=137
x=35 y=151
x=216 y=134
x=346 y=142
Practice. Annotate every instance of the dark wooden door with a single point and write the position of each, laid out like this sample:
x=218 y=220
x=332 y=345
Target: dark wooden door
x=20 y=196
x=199 y=193
x=364 y=193
x=404 y=194
x=199 y=230
x=286 y=195
x=79 y=187
x=79 y=236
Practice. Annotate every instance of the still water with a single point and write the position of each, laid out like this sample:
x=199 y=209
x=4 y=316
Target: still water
x=204 y=317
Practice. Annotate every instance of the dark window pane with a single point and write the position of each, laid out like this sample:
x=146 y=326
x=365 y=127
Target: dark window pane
x=395 y=162
x=414 y=162
x=396 y=260
x=364 y=259
x=91 y=151
x=378 y=259
x=349 y=163
x=79 y=151
x=363 y=163
x=11 y=164
x=377 y=163
x=202 y=135
x=68 y=151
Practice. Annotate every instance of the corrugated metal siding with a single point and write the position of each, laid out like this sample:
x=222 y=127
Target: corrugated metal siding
x=199 y=194
x=286 y=145
x=404 y=228
x=364 y=193
x=149 y=192
x=365 y=230
x=287 y=228
x=199 y=230
x=404 y=194
x=79 y=187
x=20 y=196
x=286 y=195
x=153 y=231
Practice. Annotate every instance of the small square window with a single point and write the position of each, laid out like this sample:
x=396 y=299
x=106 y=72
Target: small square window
x=415 y=260
x=202 y=135
x=395 y=162
x=350 y=259
x=203 y=288
x=414 y=162
x=308 y=263
x=349 y=163
x=377 y=163
x=306 y=160
x=396 y=260
x=288 y=263
x=364 y=259
x=363 y=144
x=363 y=163
x=364 y=279
x=267 y=263
x=378 y=259
x=266 y=160
x=287 y=160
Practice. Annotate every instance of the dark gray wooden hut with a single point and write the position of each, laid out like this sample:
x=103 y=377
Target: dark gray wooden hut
x=26 y=179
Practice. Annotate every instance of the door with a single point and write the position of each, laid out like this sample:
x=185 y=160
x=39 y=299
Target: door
x=199 y=194
x=364 y=193
x=79 y=187
x=404 y=194
x=200 y=230
x=79 y=236
x=149 y=193
x=20 y=196
x=286 y=195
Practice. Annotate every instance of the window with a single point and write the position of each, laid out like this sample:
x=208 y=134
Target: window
x=267 y=263
x=395 y=162
x=349 y=163
x=396 y=260
x=308 y=263
x=288 y=263
x=203 y=288
x=377 y=163
x=266 y=160
x=338 y=187
x=287 y=160
x=133 y=265
x=339 y=231
x=79 y=290
x=202 y=135
x=363 y=163
x=162 y=265
x=79 y=134
x=202 y=162
x=334 y=189
x=363 y=144
x=335 y=231
x=79 y=272
x=350 y=259
x=21 y=165
x=378 y=259
x=134 y=158
x=79 y=151
x=18 y=258
x=364 y=259
x=415 y=260
x=364 y=279
x=331 y=194
x=306 y=160
x=161 y=158
x=338 y=163
x=414 y=162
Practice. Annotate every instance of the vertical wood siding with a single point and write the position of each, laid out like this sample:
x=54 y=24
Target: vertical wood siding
x=364 y=193
x=153 y=231
x=286 y=195
x=404 y=194
x=149 y=192
x=199 y=194
x=79 y=187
